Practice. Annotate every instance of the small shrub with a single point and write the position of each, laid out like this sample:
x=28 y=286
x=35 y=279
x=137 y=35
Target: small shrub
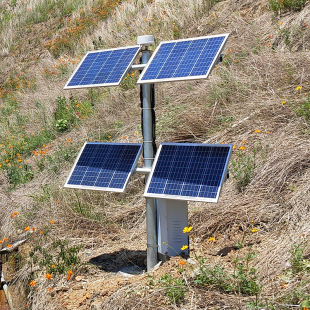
x=55 y=255
x=297 y=260
x=62 y=125
x=20 y=175
x=70 y=113
x=286 y=5
x=304 y=109
x=243 y=169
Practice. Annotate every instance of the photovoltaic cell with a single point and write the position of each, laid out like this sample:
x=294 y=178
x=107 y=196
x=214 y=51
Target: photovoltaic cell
x=188 y=171
x=103 y=68
x=183 y=59
x=104 y=166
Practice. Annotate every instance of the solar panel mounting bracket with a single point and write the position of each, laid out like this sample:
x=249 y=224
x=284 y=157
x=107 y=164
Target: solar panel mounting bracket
x=143 y=170
x=219 y=59
x=137 y=67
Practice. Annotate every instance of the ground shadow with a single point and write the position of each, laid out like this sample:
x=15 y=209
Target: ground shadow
x=123 y=260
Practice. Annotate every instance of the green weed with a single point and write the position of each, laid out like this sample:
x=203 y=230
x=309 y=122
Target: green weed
x=297 y=260
x=304 y=109
x=69 y=113
x=214 y=277
x=245 y=277
x=58 y=258
x=243 y=280
x=18 y=175
x=130 y=80
x=175 y=287
x=243 y=168
x=279 y=6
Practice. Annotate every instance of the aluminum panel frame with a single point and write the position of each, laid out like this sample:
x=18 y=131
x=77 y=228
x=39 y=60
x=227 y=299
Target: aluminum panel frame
x=198 y=77
x=66 y=87
x=188 y=198
x=109 y=189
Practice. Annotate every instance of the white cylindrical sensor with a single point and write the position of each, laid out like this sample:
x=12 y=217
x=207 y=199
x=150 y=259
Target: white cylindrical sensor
x=145 y=40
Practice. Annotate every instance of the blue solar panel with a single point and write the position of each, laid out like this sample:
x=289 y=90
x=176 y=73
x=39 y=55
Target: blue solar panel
x=104 y=166
x=103 y=68
x=183 y=59
x=189 y=171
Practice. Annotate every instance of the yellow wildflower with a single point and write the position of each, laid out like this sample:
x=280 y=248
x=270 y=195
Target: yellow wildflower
x=187 y=229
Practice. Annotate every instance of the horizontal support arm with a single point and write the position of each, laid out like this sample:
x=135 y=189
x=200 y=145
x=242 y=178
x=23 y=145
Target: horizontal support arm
x=143 y=170
x=137 y=67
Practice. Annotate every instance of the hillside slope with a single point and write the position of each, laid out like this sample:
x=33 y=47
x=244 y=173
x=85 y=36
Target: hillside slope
x=257 y=99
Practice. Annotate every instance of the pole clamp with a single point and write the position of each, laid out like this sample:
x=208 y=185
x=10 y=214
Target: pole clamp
x=152 y=245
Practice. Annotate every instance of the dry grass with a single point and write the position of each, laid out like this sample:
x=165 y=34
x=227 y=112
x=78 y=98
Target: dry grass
x=242 y=95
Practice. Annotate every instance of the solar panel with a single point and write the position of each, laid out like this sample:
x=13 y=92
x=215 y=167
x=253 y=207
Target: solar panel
x=103 y=68
x=186 y=59
x=185 y=171
x=104 y=166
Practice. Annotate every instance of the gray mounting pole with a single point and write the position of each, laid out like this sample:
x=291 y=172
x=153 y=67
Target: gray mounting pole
x=151 y=214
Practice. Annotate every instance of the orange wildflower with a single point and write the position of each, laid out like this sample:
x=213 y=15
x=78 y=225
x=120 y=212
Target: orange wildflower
x=32 y=283
x=27 y=228
x=15 y=213
x=70 y=272
x=68 y=278
x=182 y=263
x=48 y=276
x=52 y=222
x=5 y=239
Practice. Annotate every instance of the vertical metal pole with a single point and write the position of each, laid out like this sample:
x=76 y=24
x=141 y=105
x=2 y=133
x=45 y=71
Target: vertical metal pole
x=148 y=151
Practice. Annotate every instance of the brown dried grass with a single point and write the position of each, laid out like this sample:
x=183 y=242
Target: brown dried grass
x=277 y=199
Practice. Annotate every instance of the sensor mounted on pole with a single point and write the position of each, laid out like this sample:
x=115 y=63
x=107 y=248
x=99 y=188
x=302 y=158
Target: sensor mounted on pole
x=145 y=40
